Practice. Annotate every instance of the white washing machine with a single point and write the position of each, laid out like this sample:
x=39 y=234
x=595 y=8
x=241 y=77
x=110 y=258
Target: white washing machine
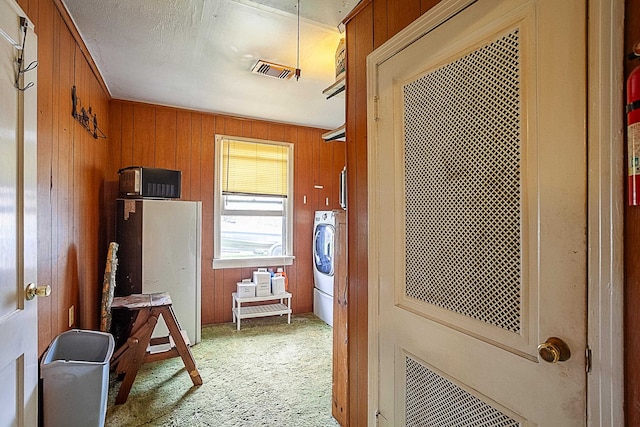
x=324 y=230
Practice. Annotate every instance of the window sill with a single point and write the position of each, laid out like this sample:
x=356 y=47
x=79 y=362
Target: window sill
x=252 y=262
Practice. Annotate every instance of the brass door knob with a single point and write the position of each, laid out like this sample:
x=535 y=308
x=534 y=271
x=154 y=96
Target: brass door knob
x=554 y=350
x=41 y=291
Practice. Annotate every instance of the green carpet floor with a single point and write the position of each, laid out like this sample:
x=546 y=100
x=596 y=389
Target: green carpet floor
x=269 y=373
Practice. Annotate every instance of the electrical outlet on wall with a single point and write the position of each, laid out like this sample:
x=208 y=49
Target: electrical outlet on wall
x=71 y=316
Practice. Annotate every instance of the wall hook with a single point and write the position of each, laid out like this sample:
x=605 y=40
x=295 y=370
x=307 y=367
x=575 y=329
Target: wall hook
x=85 y=117
x=20 y=61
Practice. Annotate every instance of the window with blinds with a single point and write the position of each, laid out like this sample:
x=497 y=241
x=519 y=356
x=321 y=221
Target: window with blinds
x=255 y=168
x=253 y=206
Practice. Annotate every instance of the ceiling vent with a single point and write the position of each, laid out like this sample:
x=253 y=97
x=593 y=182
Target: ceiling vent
x=270 y=69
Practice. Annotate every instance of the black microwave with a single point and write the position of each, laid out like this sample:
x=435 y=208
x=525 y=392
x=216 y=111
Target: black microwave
x=141 y=182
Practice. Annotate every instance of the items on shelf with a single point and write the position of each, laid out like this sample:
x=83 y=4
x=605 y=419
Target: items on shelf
x=264 y=283
x=336 y=88
x=262 y=280
x=341 y=63
x=280 y=273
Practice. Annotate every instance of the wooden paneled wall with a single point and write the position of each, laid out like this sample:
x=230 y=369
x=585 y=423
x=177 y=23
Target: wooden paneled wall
x=359 y=44
x=73 y=169
x=155 y=136
x=632 y=255
x=77 y=178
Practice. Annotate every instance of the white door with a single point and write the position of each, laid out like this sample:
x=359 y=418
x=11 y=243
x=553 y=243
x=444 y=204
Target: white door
x=171 y=242
x=478 y=216
x=18 y=317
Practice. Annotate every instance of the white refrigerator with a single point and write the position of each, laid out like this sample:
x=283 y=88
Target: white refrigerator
x=160 y=251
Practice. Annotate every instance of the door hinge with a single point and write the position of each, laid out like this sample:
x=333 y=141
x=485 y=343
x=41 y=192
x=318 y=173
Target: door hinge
x=588 y=356
x=375 y=112
x=380 y=419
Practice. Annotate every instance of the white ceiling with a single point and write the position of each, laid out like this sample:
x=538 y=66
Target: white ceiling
x=198 y=54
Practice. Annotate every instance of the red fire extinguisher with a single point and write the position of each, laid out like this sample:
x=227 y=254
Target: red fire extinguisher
x=633 y=130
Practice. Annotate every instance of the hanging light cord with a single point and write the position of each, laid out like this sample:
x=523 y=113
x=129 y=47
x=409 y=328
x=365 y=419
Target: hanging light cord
x=298 y=51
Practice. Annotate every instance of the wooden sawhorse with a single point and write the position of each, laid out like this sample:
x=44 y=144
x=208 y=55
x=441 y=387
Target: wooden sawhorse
x=139 y=347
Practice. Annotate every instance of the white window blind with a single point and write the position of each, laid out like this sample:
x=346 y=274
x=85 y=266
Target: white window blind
x=254 y=168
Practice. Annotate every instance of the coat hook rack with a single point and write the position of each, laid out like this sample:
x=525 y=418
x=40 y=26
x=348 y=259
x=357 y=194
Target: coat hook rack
x=24 y=24
x=86 y=117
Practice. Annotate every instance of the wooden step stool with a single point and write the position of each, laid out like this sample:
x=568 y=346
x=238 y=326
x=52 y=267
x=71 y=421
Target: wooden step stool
x=141 y=348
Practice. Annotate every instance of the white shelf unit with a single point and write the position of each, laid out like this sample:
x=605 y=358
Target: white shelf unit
x=262 y=310
x=335 y=134
x=336 y=88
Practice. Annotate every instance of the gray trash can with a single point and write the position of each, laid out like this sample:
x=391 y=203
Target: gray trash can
x=75 y=378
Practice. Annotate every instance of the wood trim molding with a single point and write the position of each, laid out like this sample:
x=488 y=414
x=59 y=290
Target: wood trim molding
x=605 y=382
x=427 y=22
x=64 y=13
x=356 y=10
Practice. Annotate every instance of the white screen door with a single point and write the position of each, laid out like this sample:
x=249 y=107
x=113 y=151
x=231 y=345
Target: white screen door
x=18 y=317
x=478 y=216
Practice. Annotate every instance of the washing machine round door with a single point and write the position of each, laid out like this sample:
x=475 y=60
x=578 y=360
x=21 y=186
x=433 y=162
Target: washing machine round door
x=323 y=248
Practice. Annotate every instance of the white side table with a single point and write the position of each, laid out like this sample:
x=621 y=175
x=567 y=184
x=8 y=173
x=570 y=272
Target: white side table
x=262 y=310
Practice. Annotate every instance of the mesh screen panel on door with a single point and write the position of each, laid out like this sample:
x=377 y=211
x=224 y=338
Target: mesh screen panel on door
x=463 y=190
x=434 y=401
